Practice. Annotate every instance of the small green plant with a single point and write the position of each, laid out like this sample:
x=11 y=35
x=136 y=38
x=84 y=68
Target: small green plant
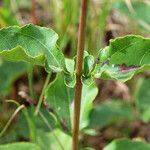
x=74 y=82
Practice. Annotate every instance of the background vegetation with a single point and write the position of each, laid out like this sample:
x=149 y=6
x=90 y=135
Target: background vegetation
x=121 y=110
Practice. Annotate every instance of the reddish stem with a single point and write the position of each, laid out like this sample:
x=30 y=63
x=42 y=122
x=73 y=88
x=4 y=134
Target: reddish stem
x=78 y=87
x=33 y=14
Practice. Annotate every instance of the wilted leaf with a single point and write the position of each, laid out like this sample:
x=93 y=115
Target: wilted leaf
x=123 y=58
x=124 y=144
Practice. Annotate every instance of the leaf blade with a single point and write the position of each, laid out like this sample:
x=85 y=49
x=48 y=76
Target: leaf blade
x=122 y=144
x=123 y=58
x=58 y=98
x=32 y=44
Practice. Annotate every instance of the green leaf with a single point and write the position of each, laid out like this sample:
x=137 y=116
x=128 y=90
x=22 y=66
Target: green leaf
x=57 y=96
x=88 y=95
x=70 y=65
x=142 y=99
x=123 y=58
x=33 y=44
x=88 y=64
x=54 y=140
x=70 y=77
x=20 y=146
x=110 y=112
x=9 y=72
x=124 y=144
x=43 y=140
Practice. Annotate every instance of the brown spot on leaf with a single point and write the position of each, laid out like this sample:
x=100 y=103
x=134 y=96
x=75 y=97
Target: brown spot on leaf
x=125 y=69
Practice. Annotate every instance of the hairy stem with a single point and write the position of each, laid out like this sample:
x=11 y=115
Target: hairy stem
x=78 y=87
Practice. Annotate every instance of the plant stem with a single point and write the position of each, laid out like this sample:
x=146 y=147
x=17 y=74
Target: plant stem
x=78 y=87
x=10 y=120
x=30 y=81
x=42 y=94
x=32 y=129
x=33 y=14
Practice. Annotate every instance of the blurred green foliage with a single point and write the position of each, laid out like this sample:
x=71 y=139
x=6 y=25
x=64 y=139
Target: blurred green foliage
x=63 y=18
x=142 y=98
x=111 y=112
